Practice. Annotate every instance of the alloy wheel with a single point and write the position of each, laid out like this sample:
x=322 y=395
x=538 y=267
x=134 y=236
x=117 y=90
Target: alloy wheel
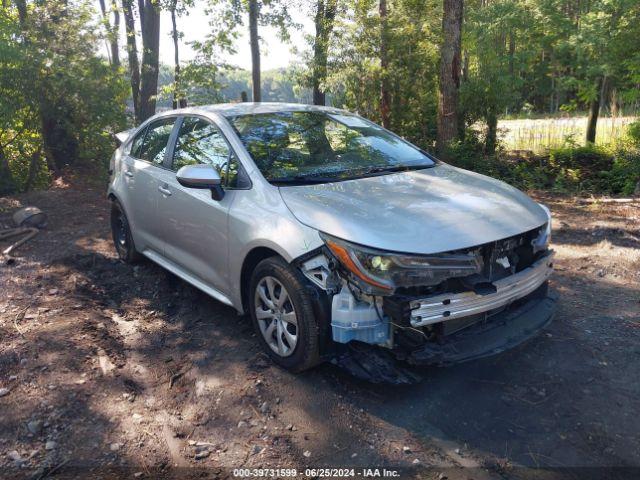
x=276 y=316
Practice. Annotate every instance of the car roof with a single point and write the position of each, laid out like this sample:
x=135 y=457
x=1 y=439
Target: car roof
x=248 y=108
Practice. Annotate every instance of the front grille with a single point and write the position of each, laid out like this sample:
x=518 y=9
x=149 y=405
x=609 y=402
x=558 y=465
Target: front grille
x=511 y=255
x=502 y=262
x=518 y=251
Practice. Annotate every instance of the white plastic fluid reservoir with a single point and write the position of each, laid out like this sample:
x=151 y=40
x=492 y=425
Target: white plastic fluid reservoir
x=354 y=320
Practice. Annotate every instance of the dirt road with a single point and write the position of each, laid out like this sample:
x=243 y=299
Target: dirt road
x=108 y=369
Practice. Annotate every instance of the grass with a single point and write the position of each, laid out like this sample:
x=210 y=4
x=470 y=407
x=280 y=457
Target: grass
x=538 y=135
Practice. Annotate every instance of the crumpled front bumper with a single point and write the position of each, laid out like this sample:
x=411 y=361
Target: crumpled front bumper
x=516 y=324
x=494 y=335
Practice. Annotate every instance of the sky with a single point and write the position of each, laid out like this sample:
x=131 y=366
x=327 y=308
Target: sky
x=274 y=53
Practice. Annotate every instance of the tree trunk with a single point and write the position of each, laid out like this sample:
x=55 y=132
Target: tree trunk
x=47 y=127
x=59 y=144
x=325 y=16
x=615 y=105
x=449 y=73
x=112 y=31
x=132 y=53
x=254 y=13
x=462 y=133
x=594 y=111
x=21 y=5
x=178 y=96
x=115 y=32
x=604 y=92
x=318 y=95
x=7 y=184
x=385 y=103
x=33 y=170
x=491 y=139
x=150 y=53
x=141 y=12
x=512 y=54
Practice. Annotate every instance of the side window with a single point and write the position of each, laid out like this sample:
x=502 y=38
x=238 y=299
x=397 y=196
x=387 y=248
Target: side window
x=200 y=142
x=155 y=141
x=137 y=143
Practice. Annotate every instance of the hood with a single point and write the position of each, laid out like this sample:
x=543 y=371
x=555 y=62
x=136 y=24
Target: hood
x=434 y=210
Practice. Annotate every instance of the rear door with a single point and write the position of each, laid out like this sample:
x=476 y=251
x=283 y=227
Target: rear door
x=196 y=225
x=144 y=168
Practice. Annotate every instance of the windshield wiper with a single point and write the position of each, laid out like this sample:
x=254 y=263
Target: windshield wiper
x=345 y=175
x=395 y=168
x=303 y=180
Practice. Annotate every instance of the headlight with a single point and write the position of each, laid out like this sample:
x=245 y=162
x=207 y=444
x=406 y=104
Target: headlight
x=384 y=271
x=542 y=241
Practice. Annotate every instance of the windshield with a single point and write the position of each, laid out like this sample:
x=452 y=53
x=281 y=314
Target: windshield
x=290 y=147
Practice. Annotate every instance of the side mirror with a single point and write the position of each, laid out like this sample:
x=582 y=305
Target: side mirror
x=201 y=176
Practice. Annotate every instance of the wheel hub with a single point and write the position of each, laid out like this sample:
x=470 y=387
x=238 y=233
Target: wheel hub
x=276 y=316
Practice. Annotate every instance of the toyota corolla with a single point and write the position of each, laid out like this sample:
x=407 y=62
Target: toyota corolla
x=333 y=234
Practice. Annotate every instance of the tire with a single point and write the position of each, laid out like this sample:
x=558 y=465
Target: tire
x=270 y=278
x=121 y=233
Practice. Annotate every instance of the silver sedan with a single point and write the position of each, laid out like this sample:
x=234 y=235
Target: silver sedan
x=335 y=235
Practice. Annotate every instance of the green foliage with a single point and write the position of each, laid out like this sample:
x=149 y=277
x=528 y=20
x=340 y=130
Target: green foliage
x=624 y=176
x=206 y=83
x=354 y=77
x=581 y=168
x=59 y=101
x=279 y=85
x=633 y=134
x=199 y=82
x=570 y=169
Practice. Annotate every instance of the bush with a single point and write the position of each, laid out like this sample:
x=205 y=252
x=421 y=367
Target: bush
x=624 y=175
x=59 y=98
x=633 y=134
x=580 y=168
x=570 y=169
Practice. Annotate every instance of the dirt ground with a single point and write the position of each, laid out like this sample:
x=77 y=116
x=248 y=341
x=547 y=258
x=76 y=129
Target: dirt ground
x=109 y=370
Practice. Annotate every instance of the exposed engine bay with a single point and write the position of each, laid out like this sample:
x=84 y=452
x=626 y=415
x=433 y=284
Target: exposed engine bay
x=419 y=307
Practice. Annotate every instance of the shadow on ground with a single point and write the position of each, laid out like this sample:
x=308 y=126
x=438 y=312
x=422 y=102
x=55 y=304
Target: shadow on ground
x=129 y=367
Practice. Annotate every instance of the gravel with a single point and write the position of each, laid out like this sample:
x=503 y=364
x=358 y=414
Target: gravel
x=34 y=426
x=202 y=455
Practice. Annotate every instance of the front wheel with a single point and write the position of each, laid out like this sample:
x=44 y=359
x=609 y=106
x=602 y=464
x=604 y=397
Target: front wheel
x=282 y=312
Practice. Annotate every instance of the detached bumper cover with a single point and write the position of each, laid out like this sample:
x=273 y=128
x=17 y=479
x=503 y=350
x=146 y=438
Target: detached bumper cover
x=495 y=335
x=448 y=306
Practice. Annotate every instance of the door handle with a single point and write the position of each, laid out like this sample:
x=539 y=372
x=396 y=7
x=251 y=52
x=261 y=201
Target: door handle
x=164 y=191
x=128 y=173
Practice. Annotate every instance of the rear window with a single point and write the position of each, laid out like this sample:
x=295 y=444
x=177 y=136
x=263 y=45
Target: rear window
x=155 y=141
x=137 y=143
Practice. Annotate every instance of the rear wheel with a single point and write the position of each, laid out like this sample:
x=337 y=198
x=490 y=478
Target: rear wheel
x=282 y=312
x=121 y=233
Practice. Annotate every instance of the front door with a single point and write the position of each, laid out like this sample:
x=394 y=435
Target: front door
x=196 y=226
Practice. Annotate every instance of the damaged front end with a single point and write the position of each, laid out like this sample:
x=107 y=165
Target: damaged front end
x=433 y=309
